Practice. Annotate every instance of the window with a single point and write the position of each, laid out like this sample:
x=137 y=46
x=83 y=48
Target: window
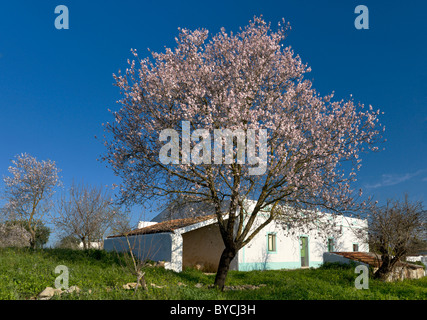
x=271 y=242
x=355 y=247
x=331 y=247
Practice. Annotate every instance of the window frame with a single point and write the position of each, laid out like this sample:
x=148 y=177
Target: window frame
x=331 y=244
x=273 y=236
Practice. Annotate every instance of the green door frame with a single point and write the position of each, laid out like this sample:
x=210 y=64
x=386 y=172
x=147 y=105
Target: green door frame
x=304 y=251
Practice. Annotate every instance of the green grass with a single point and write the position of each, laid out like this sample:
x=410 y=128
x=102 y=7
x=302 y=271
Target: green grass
x=100 y=275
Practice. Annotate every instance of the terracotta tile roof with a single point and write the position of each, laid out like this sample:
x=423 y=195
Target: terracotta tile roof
x=370 y=258
x=365 y=257
x=166 y=226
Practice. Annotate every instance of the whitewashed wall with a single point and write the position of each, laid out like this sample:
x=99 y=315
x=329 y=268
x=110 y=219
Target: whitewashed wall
x=255 y=255
x=156 y=247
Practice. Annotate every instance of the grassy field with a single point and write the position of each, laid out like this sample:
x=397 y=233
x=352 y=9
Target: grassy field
x=100 y=275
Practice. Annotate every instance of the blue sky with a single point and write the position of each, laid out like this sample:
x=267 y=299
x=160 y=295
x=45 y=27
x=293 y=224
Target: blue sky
x=56 y=85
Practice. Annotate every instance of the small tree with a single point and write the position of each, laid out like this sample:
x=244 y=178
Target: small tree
x=68 y=242
x=135 y=264
x=29 y=190
x=395 y=230
x=86 y=213
x=135 y=251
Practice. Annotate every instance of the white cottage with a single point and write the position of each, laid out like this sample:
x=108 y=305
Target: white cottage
x=193 y=241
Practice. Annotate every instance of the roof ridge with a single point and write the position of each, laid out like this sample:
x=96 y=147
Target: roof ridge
x=166 y=226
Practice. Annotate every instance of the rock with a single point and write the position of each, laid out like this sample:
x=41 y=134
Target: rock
x=129 y=286
x=132 y=285
x=73 y=289
x=199 y=266
x=48 y=293
x=244 y=287
x=198 y=285
x=160 y=264
x=248 y=287
x=229 y=288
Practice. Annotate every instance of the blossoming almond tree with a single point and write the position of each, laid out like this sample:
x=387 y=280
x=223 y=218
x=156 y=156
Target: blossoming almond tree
x=244 y=81
x=29 y=190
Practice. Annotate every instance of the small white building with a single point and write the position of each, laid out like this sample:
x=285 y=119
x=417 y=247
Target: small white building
x=92 y=245
x=196 y=241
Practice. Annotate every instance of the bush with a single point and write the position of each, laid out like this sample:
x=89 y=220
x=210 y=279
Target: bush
x=336 y=265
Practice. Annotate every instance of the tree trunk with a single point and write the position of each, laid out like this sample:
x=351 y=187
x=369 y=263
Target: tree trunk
x=140 y=281
x=382 y=272
x=224 y=265
x=32 y=232
x=385 y=268
x=83 y=240
x=32 y=239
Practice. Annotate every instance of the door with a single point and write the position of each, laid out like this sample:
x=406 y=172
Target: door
x=304 y=251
